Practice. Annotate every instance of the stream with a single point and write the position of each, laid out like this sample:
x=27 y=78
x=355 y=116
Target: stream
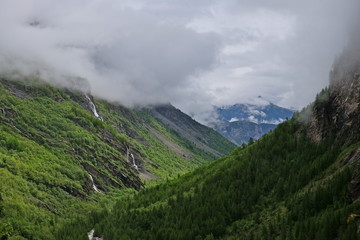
x=91 y=235
x=93 y=108
x=128 y=153
x=93 y=185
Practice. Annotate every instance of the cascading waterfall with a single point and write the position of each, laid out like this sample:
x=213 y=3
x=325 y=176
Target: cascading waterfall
x=93 y=184
x=91 y=235
x=134 y=163
x=93 y=108
x=128 y=153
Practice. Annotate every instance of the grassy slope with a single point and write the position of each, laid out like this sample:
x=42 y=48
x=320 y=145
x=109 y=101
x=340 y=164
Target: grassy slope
x=154 y=154
x=49 y=144
x=281 y=187
x=204 y=140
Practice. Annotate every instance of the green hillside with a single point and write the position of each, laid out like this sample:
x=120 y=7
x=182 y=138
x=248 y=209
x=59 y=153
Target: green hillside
x=282 y=187
x=300 y=181
x=67 y=169
x=58 y=161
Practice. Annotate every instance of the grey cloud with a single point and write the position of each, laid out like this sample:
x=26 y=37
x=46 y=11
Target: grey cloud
x=127 y=55
x=297 y=65
x=192 y=53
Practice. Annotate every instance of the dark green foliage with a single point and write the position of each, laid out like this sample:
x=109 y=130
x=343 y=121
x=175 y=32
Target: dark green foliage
x=49 y=144
x=280 y=187
x=12 y=143
x=323 y=96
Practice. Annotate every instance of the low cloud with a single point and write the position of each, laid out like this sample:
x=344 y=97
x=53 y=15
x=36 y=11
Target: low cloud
x=125 y=54
x=195 y=54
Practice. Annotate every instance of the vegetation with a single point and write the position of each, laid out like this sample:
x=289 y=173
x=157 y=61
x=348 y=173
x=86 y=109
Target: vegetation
x=280 y=187
x=50 y=142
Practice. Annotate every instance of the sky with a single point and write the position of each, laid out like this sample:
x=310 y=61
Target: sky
x=194 y=54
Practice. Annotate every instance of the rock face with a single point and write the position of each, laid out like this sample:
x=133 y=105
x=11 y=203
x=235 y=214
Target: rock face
x=336 y=110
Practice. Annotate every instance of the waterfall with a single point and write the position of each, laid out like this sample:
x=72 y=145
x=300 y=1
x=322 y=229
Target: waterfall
x=93 y=108
x=91 y=235
x=93 y=184
x=134 y=163
x=128 y=153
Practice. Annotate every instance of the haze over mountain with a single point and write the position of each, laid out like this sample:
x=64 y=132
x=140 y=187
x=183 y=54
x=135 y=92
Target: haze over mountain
x=241 y=122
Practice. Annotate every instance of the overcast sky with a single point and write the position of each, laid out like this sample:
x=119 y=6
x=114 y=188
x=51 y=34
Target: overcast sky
x=192 y=53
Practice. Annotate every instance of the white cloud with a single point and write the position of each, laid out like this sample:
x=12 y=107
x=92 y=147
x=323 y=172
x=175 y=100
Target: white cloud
x=192 y=53
x=127 y=55
x=282 y=51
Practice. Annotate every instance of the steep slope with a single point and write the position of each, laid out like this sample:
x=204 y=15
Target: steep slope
x=201 y=137
x=301 y=181
x=240 y=122
x=63 y=153
x=240 y=132
x=280 y=187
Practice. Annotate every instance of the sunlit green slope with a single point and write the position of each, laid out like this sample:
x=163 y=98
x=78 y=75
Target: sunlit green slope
x=59 y=161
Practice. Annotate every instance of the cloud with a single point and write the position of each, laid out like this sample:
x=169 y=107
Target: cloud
x=127 y=55
x=286 y=48
x=195 y=54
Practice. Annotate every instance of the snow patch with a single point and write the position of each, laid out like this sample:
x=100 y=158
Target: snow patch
x=253 y=119
x=274 y=121
x=234 y=119
x=257 y=112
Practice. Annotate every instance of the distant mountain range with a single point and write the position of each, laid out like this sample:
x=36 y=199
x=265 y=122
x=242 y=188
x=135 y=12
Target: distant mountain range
x=240 y=122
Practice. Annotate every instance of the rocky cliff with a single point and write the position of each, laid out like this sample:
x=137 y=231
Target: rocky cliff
x=336 y=111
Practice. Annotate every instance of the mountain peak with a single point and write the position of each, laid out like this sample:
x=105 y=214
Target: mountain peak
x=242 y=121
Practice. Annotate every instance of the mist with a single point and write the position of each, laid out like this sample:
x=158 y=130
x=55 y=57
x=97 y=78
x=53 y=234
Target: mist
x=126 y=55
x=194 y=54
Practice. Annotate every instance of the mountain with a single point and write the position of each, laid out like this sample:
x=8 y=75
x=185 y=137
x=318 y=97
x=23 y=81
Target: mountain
x=301 y=181
x=242 y=131
x=268 y=113
x=64 y=154
x=240 y=122
x=198 y=135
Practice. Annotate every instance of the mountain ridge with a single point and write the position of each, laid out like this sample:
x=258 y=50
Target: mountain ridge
x=241 y=122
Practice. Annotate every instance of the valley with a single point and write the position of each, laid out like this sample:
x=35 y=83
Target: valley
x=179 y=120
x=63 y=154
